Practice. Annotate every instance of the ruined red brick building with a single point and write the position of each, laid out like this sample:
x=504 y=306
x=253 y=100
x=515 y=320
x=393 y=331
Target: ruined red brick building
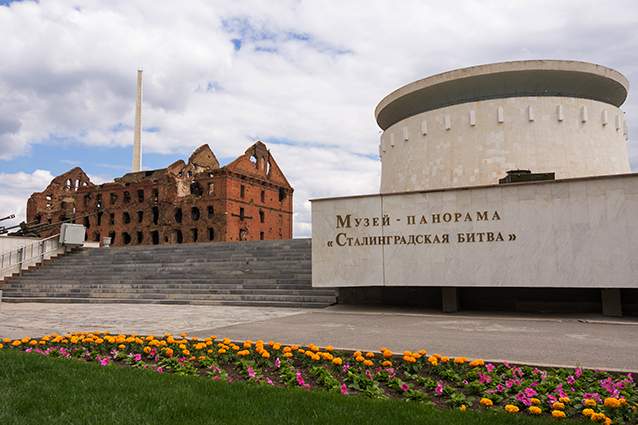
x=197 y=201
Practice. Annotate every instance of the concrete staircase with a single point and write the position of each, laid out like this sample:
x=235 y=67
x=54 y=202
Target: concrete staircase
x=253 y=273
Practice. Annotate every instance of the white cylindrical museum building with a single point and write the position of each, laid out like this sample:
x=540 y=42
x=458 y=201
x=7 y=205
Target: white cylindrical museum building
x=470 y=126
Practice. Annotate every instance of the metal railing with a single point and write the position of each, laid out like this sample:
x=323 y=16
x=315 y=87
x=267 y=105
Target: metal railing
x=34 y=253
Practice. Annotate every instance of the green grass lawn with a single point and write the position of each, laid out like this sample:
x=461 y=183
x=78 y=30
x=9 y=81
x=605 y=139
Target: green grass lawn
x=36 y=389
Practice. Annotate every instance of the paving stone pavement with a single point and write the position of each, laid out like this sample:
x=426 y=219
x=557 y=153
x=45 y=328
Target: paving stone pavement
x=37 y=319
x=588 y=341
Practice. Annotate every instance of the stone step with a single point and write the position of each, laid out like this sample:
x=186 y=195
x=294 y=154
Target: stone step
x=243 y=303
x=163 y=295
x=273 y=273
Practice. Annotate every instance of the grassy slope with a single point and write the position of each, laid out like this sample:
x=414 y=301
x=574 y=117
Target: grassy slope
x=35 y=389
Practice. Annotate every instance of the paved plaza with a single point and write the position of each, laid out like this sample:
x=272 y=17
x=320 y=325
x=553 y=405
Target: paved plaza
x=575 y=340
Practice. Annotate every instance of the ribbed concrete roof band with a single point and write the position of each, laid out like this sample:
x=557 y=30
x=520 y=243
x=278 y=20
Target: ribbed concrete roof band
x=543 y=115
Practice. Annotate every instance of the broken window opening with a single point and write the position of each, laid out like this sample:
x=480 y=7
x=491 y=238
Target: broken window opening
x=113 y=197
x=140 y=195
x=98 y=200
x=112 y=236
x=155 y=212
x=127 y=197
x=282 y=194
x=211 y=188
x=155 y=195
x=194 y=235
x=253 y=159
x=67 y=184
x=87 y=222
x=140 y=216
x=126 y=238
x=96 y=237
x=211 y=234
x=261 y=236
x=195 y=213
x=38 y=219
x=263 y=196
x=262 y=216
x=196 y=189
x=178 y=236
x=112 y=218
x=140 y=237
x=99 y=218
x=211 y=211
x=126 y=217
x=155 y=237
x=242 y=191
x=178 y=215
x=87 y=199
x=241 y=213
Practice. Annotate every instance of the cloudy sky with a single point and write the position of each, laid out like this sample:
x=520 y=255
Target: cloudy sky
x=303 y=76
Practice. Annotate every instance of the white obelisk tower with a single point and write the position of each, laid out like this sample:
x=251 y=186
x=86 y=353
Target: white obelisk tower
x=137 y=138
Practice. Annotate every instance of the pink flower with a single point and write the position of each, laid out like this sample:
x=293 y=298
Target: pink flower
x=251 y=372
x=500 y=388
x=103 y=362
x=522 y=398
x=277 y=363
x=369 y=374
x=529 y=392
x=344 y=389
x=490 y=367
x=28 y=350
x=300 y=380
x=439 y=388
x=578 y=372
x=159 y=370
x=269 y=381
x=571 y=379
x=345 y=367
x=484 y=379
x=404 y=387
x=137 y=358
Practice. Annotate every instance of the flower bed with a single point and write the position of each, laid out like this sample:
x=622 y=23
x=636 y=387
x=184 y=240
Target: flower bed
x=457 y=383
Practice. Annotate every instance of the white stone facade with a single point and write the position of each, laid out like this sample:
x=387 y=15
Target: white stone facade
x=578 y=233
x=476 y=143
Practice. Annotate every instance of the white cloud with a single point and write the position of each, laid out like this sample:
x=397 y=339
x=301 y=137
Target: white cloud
x=15 y=188
x=307 y=72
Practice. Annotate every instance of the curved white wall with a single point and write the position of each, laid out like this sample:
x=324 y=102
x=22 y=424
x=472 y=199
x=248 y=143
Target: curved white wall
x=477 y=143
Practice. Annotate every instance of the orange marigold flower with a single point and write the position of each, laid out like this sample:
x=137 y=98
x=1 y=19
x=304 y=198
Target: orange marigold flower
x=288 y=355
x=564 y=400
x=510 y=408
x=477 y=363
x=370 y=355
x=588 y=412
x=589 y=402
x=558 y=414
x=386 y=363
x=557 y=405
x=387 y=354
x=265 y=354
x=337 y=361
x=612 y=402
x=535 y=401
x=534 y=410
x=486 y=402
